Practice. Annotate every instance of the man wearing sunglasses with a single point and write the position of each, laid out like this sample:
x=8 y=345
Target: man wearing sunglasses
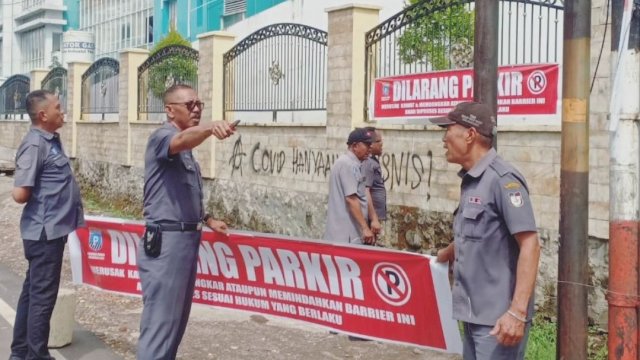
x=174 y=214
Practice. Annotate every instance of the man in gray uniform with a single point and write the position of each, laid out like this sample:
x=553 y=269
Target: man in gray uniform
x=374 y=183
x=347 y=209
x=44 y=181
x=496 y=250
x=173 y=211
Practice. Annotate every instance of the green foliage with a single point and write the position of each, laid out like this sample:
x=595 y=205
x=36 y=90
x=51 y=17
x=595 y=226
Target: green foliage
x=542 y=341
x=171 y=70
x=543 y=336
x=431 y=37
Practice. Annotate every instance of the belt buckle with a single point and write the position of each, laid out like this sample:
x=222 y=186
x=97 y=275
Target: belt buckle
x=199 y=226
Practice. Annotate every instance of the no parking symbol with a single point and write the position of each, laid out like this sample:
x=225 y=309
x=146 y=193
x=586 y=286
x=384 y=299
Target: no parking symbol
x=391 y=283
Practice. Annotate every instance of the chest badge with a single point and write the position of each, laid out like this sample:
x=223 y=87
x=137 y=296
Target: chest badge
x=475 y=200
x=516 y=199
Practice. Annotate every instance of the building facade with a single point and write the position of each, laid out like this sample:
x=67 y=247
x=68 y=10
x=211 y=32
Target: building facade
x=117 y=24
x=31 y=35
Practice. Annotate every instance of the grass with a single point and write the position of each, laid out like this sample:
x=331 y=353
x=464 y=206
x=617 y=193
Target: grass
x=121 y=207
x=542 y=341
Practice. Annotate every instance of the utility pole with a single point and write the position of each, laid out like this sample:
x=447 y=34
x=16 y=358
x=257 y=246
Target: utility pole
x=574 y=183
x=624 y=203
x=485 y=56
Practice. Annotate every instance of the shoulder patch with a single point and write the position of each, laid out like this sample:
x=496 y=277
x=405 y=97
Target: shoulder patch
x=512 y=185
x=516 y=199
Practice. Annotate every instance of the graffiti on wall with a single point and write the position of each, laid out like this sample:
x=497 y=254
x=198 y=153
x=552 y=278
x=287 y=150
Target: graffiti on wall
x=405 y=169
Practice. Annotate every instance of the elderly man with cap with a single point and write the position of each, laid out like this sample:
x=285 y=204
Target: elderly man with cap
x=495 y=252
x=347 y=213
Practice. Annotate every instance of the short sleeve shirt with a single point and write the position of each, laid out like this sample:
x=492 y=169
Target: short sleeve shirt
x=375 y=183
x=494 y=206
x=346 y=179
x=55 y=207
x=172 y=183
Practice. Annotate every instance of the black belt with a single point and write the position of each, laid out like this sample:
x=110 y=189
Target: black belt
x=180 y=226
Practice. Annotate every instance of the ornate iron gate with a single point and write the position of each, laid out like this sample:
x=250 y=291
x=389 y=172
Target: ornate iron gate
x=13 y=95
x=281 y=67
x=438 y=35
x=100 y=89
x=56 y=82
x=175 y=64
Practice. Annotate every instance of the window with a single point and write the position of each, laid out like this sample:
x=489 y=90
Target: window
x=150 y=29
x=126 y=32
x=234 y=7
x=173 y=18
x=229 y=20
x=32 y=45
x=117 y=24
x=199 y=13
x=56 y=41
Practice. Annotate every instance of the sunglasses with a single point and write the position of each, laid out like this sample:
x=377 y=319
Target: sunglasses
x=191 y=104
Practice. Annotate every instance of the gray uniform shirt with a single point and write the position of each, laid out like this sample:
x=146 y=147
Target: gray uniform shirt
x=172 y=184
x=55 y=205
x=494 y=205
x=346 y=179
x=375 y=183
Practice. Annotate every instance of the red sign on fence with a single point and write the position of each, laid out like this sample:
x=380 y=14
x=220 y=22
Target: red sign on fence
x=367 y=291
x=522 y=90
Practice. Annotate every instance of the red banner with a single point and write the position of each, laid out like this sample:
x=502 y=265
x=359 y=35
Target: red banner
x=372 y=292
x=522 y=90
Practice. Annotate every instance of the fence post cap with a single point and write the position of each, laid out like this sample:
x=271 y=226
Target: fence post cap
x=134 y=50
x=353 y=6
x=226 y=34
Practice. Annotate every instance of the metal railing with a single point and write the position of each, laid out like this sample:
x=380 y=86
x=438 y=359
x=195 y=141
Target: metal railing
x=100 y=89
x=13 y=96
x=281 y=67
x=56 y=82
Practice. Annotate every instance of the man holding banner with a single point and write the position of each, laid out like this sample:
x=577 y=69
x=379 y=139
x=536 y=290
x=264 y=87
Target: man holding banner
x=376 y=192
x=173 y=212
x=347 y=208
x=496 y=248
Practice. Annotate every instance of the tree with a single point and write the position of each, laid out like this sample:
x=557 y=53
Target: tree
x=173 y=69
x=443 y=37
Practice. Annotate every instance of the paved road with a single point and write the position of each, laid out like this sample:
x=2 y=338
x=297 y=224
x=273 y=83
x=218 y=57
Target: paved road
x=85 y=346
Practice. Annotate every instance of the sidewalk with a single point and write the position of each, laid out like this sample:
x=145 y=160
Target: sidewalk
x=85 y=345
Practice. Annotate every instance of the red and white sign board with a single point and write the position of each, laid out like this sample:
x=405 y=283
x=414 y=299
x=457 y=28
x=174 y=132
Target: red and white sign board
x=524 y=91
x=371 y=292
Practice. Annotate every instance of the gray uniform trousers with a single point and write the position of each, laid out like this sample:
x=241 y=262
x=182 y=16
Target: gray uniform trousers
x=167 y=291
x=479 y=345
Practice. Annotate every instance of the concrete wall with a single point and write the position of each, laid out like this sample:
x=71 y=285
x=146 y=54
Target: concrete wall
x=273 y=177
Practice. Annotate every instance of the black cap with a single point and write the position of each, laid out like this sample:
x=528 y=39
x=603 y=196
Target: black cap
x=360 y=135
x=470 y=114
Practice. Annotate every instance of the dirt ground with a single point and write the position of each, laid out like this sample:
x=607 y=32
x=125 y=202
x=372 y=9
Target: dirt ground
x=212 y=333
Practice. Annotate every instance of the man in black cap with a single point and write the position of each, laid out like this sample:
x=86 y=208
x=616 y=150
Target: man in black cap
x=496 y=248
x=347 y=211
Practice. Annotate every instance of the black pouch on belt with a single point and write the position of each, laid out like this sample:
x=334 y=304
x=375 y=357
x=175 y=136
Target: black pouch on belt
x=152 y=240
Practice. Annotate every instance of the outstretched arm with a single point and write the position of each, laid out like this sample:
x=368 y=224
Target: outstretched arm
x=196 y=135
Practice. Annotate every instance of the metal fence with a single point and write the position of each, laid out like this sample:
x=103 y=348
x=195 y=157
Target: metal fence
x=437 y=35
x=13 y=96
x=175 y=64
x=56 y=82
x=100 y=89
x=281 y=67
